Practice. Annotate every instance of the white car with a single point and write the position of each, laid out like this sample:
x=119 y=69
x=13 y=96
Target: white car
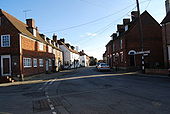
x=103 y=67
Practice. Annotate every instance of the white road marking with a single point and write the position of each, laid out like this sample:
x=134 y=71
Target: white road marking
x=54 y=113
x=49 y=100
x=51 y=106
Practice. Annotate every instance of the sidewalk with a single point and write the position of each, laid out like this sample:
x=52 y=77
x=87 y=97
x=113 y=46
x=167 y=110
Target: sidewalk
x=46 y=76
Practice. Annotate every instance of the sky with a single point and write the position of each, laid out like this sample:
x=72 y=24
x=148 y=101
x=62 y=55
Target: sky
x=87 y=24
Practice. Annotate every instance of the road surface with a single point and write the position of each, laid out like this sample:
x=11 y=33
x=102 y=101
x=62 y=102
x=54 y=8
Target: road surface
x=87 y=91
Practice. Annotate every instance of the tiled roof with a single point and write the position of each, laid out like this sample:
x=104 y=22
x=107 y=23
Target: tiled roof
x=74 y=51
x=166 y=19
x=22 y=28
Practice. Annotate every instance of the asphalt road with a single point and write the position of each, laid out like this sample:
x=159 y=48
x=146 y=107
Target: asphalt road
x=87 y=91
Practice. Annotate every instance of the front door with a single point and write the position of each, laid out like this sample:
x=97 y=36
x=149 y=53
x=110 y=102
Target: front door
x=132 y=60
x=5 y=65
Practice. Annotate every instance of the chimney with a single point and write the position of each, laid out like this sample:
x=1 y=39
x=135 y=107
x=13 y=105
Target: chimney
x=167 y=5
x=31 y=26
x=126 y=21
x=47 y=39
x=120 y=28
x=62 y=40
x=114 y=36
x=42 y=36
x=134 y=15
x=55 y=37
x=30 y=23
x=72 y=47
x=68 y=45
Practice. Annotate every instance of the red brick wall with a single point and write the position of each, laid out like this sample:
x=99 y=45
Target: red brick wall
x=152 y=41
x=7 y=28
x=29 y=48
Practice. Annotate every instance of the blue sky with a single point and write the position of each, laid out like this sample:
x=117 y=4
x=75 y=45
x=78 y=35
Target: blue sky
x=84 y=23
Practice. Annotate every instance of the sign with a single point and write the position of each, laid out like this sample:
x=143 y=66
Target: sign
x=143 y=52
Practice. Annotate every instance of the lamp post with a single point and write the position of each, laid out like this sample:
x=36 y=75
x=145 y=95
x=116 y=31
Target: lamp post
x=141 y=36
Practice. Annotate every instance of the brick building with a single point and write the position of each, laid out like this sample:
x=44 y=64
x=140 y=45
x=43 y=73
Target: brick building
x=166 y=35
x=109 y=53
x=23 y=50
x=127 y=43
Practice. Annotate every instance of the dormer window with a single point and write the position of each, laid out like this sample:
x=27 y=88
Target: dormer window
x=34 y=32
x=126 y=27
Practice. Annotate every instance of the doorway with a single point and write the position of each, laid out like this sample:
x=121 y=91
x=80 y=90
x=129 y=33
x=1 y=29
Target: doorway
x=6 y=65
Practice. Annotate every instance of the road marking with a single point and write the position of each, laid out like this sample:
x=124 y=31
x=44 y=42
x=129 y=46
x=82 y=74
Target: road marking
x=49 y=100
x=51 y=106
x=46 y=93
x=54 y=113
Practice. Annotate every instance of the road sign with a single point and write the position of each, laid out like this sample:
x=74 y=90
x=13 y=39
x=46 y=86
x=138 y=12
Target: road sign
x=143 y=52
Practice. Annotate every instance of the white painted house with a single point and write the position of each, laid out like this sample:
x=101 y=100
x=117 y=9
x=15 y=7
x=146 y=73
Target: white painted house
x=71 y=57
x=84 y=59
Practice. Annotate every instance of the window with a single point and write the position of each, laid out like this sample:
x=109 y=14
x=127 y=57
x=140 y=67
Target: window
x=113 y=47
x=121 y=56
x=27 y=62
x=49 y=49
x=5 y=40
x=41 y=46
x=34 y=32
x=121 y=44
x=50 y=63
x=117 y=33
x=126 y=27
x=35 y=62
x=41 y=64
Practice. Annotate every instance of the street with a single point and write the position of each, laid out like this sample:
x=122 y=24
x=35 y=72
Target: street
x=87 y=91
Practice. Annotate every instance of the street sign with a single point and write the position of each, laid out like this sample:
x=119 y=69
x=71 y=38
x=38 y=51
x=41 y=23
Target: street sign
x=143 y=52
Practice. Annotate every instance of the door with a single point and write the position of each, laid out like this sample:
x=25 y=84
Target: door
x=5 y=65
x=132 y=60
x=47 y=66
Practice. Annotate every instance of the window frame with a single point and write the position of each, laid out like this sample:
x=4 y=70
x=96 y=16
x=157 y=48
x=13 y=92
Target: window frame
x=35 y=61
x=40 y=46
x=50 y=62
x=3 y=42
x=27 y=62
x=41 y=63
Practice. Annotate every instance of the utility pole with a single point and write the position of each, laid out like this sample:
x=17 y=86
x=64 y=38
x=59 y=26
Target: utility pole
x=141 y=36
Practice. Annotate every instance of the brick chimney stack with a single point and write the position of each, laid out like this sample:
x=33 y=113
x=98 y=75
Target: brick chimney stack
x=126 y=21
x=55 y=37
x=167 y=5
x=134 y=15
x=30 y=23
x=31 y=26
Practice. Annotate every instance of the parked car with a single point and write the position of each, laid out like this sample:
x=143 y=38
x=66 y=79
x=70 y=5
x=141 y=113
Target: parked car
x=97 y=64
x=103 y=67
